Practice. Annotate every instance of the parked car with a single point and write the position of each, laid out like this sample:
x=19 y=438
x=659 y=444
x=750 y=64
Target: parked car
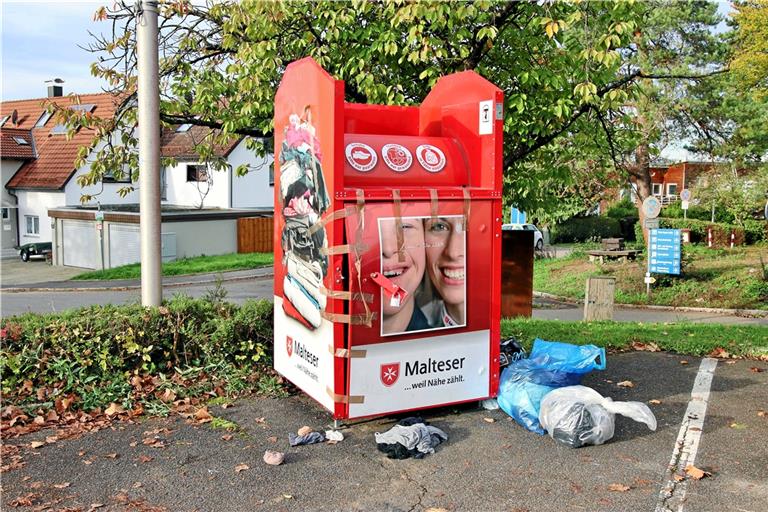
x=538 y=238
x=35 y=249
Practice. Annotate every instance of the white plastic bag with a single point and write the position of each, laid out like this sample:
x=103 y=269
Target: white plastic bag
x=578 y=415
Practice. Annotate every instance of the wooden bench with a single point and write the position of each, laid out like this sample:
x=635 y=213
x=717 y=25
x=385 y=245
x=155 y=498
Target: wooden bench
x=601 y=256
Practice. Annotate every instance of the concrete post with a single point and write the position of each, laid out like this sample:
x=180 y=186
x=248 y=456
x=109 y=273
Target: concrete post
x=149 y=153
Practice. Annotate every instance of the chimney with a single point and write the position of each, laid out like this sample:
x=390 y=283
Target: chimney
x=55 y=90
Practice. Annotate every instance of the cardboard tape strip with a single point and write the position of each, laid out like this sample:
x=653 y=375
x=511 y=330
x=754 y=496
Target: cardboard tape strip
x=336 y=215
x=433 y=204
x=342 y=249
x=467 y=204
x=347 y=353
x=360 y=210
x=399 y=227
x=349 y=319
x=345 y=399
x=346 y=295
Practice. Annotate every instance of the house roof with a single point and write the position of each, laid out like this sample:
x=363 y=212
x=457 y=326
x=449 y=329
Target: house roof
x=56 y=155
x=16 y=144
x=51 y=164
x=175 y=144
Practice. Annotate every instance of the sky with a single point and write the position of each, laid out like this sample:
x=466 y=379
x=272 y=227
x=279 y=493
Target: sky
x=39 y=41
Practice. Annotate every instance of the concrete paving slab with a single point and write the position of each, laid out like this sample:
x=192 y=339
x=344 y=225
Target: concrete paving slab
x=17 y=272
x=484 y=466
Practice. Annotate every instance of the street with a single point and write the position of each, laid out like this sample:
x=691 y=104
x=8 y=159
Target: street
x=488 y=462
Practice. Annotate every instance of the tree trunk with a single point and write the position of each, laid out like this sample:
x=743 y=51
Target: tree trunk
x=641 y=171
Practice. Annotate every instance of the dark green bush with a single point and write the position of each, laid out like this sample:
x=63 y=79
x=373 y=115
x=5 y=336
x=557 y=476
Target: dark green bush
x=585 y=229
x=755 y=231
x=93 y=352
x=624 y=208
x=697 y=212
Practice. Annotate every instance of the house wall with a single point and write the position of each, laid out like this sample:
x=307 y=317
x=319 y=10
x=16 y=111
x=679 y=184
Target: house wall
x=220 y=237
x=252 y=190
x=103 y=193
x=213 y=194
x=33 y=202
x=8 y=231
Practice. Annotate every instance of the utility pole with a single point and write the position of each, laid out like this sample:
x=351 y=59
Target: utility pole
x=149 y=153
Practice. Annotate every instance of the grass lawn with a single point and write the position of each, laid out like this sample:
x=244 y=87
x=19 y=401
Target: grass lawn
x=749 y=341
x=198 y=265
x=715 y=278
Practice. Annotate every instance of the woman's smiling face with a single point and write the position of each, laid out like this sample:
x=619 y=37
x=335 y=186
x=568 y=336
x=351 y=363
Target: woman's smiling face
x=406 y=274
x=444 y=240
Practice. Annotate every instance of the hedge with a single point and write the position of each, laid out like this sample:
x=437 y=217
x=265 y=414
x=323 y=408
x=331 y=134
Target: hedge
x=92 y=353
x=585 y=229
x=753 y=232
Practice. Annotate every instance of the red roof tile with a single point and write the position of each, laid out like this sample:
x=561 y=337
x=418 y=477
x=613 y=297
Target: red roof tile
x=182 y=144
x=56 y=155
x=16 y=144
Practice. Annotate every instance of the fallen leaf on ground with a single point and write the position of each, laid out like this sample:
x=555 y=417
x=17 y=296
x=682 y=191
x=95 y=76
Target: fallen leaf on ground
x=227 y=437
x=39 y=420
x=112 y=455
x=36 y=444
x=696 y=473
x=645 y=347
x=303 y=431
x=287 y=496
x=24 y=501
x=626 y=384
x=755 y=369
x=94 y=506
x=738 y=426
x=203 y=416
x=81 y=453
x=654 y=402
x=114 y=409
x=762 y=414
x=137 y=485
x=720 y=353
x=260 y=420
x=168 y=396
x=618 y=487
x=62 y=485
x=133 y=444
x=683 y=362
x=226 y=406
x=272 y=439
x=679 y=478
x=87 y=462
x=489 y=420
x=145 y=458
x=241 y=467
x=273 y=458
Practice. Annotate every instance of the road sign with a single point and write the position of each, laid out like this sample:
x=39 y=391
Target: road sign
x=651 y=223
x=649 y=280
x=99 y=215
x=685 y=195
x=651 y=207
x=664 y=251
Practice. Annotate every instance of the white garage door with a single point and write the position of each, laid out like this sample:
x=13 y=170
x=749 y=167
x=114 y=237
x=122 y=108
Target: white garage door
x=124 y=246
x=79 y=243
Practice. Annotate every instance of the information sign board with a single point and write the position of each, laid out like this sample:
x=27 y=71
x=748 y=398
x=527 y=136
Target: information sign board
x=665 y=251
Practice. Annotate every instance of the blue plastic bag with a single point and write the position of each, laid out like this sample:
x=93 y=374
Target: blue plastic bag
x=551 y=365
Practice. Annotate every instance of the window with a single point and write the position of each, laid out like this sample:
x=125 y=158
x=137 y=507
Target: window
x=6 y=213
x=109 y=177
x=21 y=141
x=671 y=189
x=33 y=224
x=656 y=189
x=184 y=128
x=61 y=128
x=5 y=118
x=272 y=174
x=197 y=173
x=44 y=117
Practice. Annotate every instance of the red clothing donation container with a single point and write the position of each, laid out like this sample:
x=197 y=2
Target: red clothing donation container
x=387 y=244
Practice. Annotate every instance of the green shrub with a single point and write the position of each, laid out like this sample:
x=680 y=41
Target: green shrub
x=624 y=208
x=93 y=352
x=755 y=231
x=585 y=229
x=697 y=212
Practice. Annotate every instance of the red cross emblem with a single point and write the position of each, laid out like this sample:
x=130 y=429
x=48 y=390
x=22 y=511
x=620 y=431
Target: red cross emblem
x=389 y=373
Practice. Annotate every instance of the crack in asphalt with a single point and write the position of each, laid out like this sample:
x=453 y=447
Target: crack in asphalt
x=421 y=494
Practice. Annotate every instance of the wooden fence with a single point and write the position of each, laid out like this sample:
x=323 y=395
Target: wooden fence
x=254 y=234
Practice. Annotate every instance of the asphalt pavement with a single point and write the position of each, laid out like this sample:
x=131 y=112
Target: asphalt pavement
x=485 y=465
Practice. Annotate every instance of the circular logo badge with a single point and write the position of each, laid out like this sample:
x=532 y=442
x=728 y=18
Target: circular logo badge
x=431 y=158
x=361 y=156
x=397 y=157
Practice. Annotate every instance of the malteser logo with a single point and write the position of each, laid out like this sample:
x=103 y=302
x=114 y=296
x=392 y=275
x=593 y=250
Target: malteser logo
x=389 y=373
x=289 y=345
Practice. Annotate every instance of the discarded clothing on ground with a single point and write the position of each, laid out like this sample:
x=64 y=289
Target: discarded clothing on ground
x=311 y=438
x=411 y=437
x=333 y=436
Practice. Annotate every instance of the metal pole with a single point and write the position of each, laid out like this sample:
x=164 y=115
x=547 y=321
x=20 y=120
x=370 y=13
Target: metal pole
x=149 y=153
